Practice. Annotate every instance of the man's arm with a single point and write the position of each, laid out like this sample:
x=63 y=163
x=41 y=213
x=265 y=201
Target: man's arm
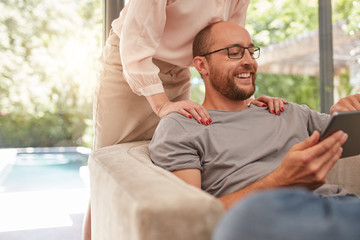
x=191 y=176
x=306 y=165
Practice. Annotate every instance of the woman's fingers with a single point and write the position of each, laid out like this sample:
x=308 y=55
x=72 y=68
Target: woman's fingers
x=258 y=103
x=188 y=109
x=200 y=114
x=275 y=105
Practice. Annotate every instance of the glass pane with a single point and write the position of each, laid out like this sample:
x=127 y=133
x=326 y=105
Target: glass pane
x=287 y=32
x=346 y=46
x=49 y=52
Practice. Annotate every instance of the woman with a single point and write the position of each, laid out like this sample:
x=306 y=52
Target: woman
x=144 y=73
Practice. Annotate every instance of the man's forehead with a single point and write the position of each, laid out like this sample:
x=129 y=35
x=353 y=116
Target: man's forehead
x=226 y=34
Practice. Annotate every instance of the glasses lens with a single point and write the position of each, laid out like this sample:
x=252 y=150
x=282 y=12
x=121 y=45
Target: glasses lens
x=255 y=52
x=236 y=52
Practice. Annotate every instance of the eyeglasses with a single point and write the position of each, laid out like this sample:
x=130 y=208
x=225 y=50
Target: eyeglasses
x=237 y=52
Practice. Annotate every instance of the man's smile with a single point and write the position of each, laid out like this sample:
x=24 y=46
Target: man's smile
x=244 y=77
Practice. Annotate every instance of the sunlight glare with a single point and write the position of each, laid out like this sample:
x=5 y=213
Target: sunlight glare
x=40 y=209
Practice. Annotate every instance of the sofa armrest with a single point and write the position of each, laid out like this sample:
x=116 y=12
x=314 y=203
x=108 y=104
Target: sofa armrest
x=345 y=173
x=131 y=198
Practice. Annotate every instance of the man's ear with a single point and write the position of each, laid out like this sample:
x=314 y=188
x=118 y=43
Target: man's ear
x=201 y=64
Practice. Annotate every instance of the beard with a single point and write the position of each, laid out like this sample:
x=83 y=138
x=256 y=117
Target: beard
x=225 y=84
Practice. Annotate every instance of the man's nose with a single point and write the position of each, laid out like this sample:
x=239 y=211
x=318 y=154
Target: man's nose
x=247 y=56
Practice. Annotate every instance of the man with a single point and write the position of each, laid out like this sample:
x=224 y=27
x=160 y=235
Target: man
x=245 y=151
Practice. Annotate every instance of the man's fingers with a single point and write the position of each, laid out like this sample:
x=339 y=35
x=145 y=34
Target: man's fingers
x=309 y=142
x=328 y=164
x=349 y=103
x=330 y=145
x=320 y=157
x=355 y=102
x=342 y=108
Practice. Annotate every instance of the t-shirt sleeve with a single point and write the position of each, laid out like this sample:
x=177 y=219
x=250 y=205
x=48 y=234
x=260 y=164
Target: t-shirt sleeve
x=318 y=121
x=315 y=120
x=172 y=147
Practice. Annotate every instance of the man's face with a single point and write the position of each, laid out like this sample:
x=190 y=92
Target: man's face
x=233 y=78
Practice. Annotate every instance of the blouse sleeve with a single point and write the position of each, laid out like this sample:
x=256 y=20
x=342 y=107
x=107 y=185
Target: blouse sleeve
x=239 y=13
x=142 y=30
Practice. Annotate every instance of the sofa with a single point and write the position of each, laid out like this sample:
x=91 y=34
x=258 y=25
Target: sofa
x=132 y=199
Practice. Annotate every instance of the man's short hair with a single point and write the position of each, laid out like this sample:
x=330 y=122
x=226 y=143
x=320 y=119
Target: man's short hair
x=203 y=41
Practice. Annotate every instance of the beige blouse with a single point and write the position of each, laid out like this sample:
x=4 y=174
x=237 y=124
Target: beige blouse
x=165 y=29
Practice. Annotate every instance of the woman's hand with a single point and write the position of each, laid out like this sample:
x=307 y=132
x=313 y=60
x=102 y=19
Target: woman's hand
x=162 y=107
x=275 y=105
x=187 y=108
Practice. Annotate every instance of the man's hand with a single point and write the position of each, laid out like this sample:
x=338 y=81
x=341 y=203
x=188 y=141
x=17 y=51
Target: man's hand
x=349 y=103
x=308 y=163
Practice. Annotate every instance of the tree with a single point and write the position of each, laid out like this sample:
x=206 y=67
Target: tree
x=48 y=68
x=273 y=21
x=277 y=20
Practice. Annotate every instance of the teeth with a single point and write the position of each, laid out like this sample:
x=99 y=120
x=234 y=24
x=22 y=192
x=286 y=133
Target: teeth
x=243 y=75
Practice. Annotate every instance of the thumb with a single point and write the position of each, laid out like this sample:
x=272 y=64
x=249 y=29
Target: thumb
x=309 y=142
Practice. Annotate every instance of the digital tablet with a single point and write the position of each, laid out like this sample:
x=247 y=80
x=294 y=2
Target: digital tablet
x=349 y=122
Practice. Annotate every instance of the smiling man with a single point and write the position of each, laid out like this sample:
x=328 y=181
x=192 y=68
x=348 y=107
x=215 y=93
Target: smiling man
x=245 y=150
x=231 y=78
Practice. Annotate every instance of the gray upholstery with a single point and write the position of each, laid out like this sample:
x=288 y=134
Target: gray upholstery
x=132 y=199
x=346 y=173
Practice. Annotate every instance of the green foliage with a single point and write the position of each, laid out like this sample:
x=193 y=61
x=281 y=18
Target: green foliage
x=344 y=88
x=49 y=51
x=274 y=21
x=299 y=89
x=197 y=93
x=197 y=90
x=348 y=10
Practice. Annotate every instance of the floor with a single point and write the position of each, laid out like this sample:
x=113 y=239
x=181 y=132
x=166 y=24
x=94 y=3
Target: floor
x=43 y=202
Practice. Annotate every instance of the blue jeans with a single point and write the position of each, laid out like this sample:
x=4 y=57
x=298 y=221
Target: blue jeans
x=291 y=214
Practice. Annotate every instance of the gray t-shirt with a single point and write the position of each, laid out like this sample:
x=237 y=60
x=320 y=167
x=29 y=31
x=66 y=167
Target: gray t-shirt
x=237 y=148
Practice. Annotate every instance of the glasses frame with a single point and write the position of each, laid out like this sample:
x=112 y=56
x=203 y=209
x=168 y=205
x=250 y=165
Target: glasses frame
x=242 y=54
